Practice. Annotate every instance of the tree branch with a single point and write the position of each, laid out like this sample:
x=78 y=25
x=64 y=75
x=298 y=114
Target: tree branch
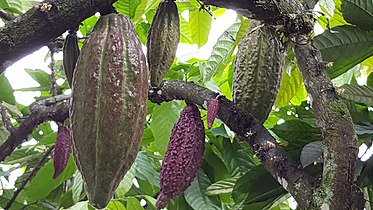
x=42 y=114
x=6 y=16
x=41 y=24
x=334 y=120
x=288 y=173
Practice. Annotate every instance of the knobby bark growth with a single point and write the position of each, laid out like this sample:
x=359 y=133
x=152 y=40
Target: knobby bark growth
x=48 y=20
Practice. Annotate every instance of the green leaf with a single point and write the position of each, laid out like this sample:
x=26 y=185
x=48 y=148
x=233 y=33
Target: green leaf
x=164 y=118
x=134 y=204
x=345 y=46
x=127 y=7
x=48 y=139
x=329 y=5
x=87 y=25
x=336 y=19
x=18 y=203
x=77 y=188
x=199 y=26
x=126 y=184
x=195 y=194
x=291 y=84
x=6 y=91
x=81 y=206
x=221 y=187
x=356 y=93
x=144 y=7
x=41 y=77
x=116 y=205
x=256 y=186
x=15 y=6
x=145 y=170
x=297 y=132
x=4 y=134
x=185 y=36
x=224 y=48
x=359 y=13
x=12 y=109
x=43 y=184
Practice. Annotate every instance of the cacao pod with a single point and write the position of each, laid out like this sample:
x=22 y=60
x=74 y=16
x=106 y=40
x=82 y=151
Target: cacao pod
x=183 y=156
x=258 y=70
x=212 y=111
x=62 y=150
x=108 y=110
x=163 y=38
x=70 y=55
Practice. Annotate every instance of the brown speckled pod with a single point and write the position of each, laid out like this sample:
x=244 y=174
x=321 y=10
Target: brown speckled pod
x=162 y=41
x=108 y=111
x=184 y=155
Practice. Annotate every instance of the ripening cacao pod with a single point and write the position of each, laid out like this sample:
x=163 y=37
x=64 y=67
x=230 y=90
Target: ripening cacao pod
x=183 y=156
x=212 y=111
x=162 y=41
x=258 y=70
x=70 y=55
x=108 y=110
x=62 y=150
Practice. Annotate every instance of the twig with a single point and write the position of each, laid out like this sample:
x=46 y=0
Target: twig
x=6 y=120
x=49 y=101
x=58 y=113
x=54 y=47
x=42 y=161
x=6 y=16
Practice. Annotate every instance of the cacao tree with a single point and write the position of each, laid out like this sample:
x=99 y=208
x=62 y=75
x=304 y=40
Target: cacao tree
x=285 y=97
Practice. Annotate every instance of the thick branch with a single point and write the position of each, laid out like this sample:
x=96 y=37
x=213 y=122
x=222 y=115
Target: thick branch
x=334 y=120
x=58 y=113
x=40 y=25
x=247 y=128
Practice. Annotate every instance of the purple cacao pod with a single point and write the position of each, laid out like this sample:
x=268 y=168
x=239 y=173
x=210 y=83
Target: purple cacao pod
x=62 y=150
x=183 y=157
x=212 y=111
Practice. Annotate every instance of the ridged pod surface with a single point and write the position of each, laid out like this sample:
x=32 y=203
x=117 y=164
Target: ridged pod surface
x=70 y=55
x=162 y=41
x=184 y=155
x=62 y=150
x=108 y=111
x=258 y=70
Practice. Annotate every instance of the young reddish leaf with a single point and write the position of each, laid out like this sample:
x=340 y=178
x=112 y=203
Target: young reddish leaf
x=212 y=111
x=62 y=150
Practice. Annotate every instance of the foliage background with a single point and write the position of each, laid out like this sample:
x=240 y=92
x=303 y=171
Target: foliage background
x=231 y=176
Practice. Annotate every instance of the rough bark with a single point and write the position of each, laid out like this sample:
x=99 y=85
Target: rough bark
x=334 y=120
x=41 y=24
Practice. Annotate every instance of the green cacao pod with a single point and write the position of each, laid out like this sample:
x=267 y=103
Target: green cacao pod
x=258 y=70
x=70 y=55
x=183 y=156
x=162 y=41
x=108 y=111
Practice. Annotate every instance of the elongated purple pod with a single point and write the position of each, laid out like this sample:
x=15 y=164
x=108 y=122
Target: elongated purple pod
x=62 y=150
x=184 y=155
x=212 y=111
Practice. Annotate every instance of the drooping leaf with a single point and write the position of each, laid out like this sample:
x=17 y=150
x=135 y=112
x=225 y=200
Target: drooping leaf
x=127 y=7
x=133 y=204
x=199 y=26
x=144 y=169
x=357 y=93
x=195 y=194
x=257 y=186
x=359 y=13
x=43 y=184
x=345 y=46
x=164 y=118
x=221 y=187
x=77 y=188
x=224 y=48
x=311 y=153
x=291 y=84
x=126 y=184
x=6 y=91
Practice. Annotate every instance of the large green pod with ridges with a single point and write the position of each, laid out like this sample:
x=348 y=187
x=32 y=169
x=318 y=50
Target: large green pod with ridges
x=108 y=109
x=163 y=38
x=258 y=69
